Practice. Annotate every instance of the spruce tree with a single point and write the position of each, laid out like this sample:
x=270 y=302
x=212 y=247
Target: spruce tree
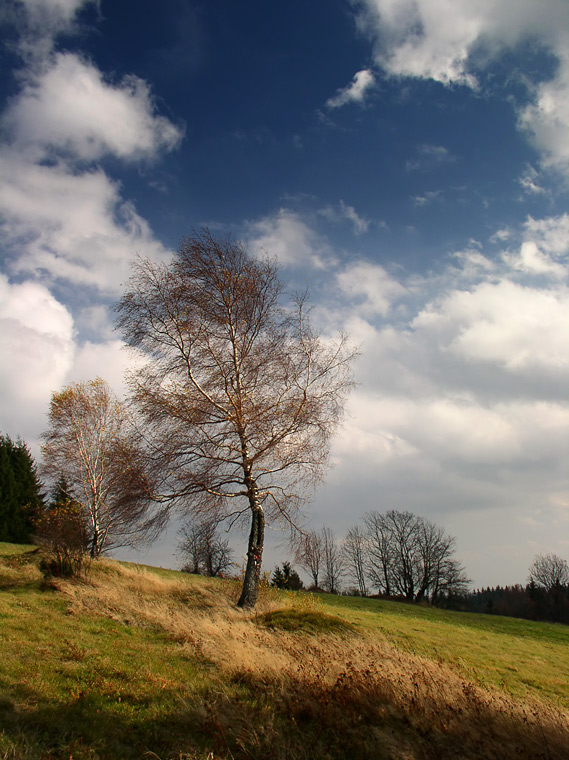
x=20 y=491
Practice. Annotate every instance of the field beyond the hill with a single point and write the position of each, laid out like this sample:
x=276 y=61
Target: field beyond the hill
x=137 y=662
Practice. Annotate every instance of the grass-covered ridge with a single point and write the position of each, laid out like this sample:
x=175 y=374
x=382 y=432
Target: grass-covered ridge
x=133 y=663
x=307 y=621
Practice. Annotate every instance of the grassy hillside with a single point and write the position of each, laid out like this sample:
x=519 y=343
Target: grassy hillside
x=133 y=662
x=524 y=658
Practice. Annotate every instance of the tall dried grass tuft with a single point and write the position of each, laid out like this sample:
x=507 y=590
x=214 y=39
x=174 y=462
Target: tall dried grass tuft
x=338 y=698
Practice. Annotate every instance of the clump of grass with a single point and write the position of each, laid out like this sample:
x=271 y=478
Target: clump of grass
x=19 y=567
x=309 y=621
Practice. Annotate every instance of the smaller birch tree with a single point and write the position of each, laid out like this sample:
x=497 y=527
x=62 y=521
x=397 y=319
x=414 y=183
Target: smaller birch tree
x=91 y=447
x=334 y=562
x=207 y=553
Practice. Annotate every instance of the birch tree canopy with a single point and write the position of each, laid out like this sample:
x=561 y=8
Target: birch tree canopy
x=238 y=395
x=92 y=447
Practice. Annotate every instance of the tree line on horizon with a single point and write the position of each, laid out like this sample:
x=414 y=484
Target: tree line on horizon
x=544 y=597
x=417 y=566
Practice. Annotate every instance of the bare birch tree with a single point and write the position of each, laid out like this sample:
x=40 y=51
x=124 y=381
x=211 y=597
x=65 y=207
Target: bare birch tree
x=91 y=447
x=239 y=397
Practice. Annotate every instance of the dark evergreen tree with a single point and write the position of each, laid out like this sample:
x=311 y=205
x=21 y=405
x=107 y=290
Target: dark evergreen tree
x=20 y=491
x=287 y=578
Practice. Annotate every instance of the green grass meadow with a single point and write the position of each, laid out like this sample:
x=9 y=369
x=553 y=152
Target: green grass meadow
x=525 y=658
x=132 y=662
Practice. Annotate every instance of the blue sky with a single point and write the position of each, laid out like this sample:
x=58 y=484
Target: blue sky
x=407 y=161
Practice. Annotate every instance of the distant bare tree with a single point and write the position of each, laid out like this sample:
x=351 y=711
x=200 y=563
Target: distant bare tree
x=355 y=551
x=394 y=551
x=406 y=540
x=381 y=551
x=309 y=554
x=439 y=571
x=549 y=571
x=207 y=553
x=411 y=556
x=190 y=545
x=334 y=565
x=92 y=448
x=238 y=395
x=451 y=579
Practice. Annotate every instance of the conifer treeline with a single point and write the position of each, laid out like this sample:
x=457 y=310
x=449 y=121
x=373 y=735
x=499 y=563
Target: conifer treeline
x=530 y=602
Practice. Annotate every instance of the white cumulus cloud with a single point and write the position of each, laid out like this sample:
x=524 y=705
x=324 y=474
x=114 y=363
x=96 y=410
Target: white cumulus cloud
x=372 y=286
x=289 y=239
x=69 y=107
x=546 y=119
x=507 y=324
x=355 y=92
x=36 y=353
x=69 y=226
x=550 y=233
x=40 y=22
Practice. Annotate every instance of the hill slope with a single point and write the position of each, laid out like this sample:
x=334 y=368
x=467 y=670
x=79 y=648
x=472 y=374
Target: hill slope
x=134 y=662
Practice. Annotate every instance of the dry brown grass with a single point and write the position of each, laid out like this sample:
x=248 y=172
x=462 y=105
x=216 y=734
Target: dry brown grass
x=198 y=614
x=325 y=696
